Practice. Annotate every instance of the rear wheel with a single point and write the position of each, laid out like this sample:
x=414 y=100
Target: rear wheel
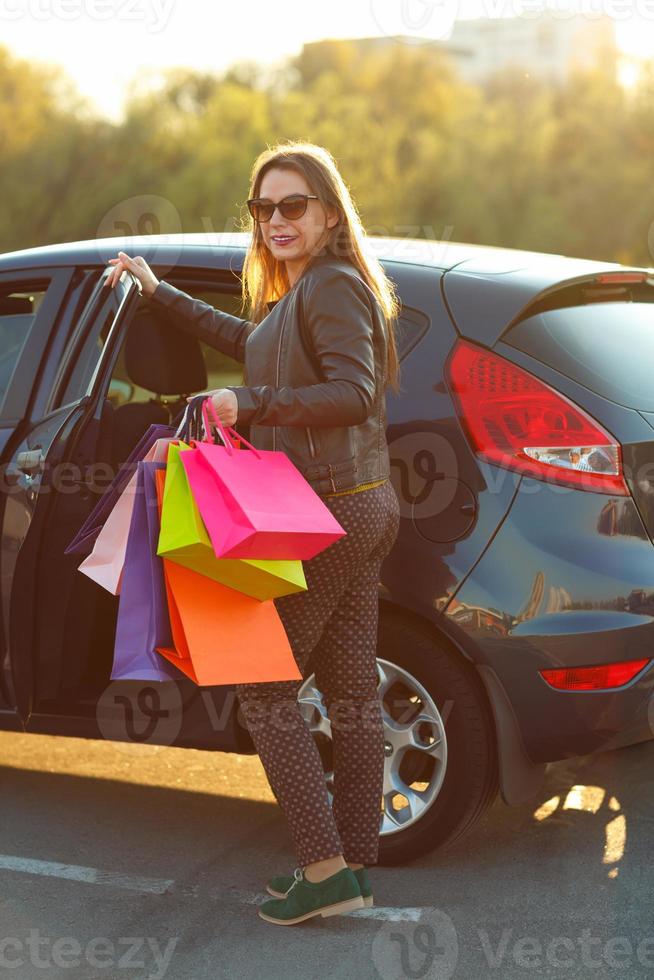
x=441 y=760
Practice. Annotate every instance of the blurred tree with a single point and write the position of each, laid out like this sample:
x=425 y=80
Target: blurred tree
x=516 y=163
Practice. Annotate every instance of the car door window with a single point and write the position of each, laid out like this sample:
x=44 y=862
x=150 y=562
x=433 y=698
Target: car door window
x=221 y=369
x=146 y=377
x=18 y=310
x=411 y=327
x=83 y=355
x=30 y=302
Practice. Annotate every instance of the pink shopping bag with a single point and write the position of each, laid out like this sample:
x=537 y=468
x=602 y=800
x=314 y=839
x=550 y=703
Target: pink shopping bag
x=256 y=503
x=105 y=563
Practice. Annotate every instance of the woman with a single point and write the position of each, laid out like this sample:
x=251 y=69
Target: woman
x=318 y=351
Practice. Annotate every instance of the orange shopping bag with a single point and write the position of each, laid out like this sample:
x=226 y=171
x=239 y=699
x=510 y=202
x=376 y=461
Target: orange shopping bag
x=221 y=635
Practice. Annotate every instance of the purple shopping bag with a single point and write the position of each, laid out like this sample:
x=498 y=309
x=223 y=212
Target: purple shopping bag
x=143 y=623
x=84 y=540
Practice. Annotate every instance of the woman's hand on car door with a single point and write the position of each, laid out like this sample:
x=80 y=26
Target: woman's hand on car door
x=139 y=269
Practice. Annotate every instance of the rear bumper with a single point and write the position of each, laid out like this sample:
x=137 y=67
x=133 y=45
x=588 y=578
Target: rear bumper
x=557 y=725
x=561 y=586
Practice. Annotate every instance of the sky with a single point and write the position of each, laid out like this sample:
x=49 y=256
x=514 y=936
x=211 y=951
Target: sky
x=111 y=47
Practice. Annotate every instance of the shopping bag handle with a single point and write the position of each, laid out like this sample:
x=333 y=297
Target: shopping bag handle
x=190 y=427
x=208 y=407
x=184 y=428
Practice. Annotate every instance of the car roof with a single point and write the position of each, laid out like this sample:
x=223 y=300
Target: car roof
x=485 y=285
x=202 y=249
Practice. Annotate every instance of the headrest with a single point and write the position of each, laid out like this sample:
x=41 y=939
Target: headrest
x=162 y=359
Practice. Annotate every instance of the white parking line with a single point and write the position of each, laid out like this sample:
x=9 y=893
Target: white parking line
x=389 y=914
x=160 y=886
x=78 y=872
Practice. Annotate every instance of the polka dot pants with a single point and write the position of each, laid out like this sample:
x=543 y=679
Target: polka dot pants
x=332 y=630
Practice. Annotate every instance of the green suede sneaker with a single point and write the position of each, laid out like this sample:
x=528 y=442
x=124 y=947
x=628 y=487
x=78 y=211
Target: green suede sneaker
x=334 y=895
x=280 y=884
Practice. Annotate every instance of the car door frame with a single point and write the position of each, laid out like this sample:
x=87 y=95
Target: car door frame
x=18 y=398
x=68 y=421
x=190 y=275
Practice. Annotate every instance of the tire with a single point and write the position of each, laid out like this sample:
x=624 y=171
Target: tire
x=469 y=777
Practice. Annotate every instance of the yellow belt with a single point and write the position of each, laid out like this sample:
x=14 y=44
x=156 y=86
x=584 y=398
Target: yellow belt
x=362 y=486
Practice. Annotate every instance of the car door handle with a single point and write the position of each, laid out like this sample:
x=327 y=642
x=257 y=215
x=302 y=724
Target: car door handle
x=30 y=461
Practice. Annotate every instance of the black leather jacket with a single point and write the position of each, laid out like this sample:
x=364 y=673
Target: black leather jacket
x=314 y=371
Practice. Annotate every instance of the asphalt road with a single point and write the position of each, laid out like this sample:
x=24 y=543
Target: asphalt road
x=128 y=861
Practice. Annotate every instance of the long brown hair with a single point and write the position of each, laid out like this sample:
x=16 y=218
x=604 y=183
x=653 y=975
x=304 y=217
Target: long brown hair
x=265 y=278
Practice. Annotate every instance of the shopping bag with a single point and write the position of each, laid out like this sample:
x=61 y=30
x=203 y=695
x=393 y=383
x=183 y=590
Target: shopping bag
x=143 y=622
x=83 y=541
x=184 y=540
x=146 y=448
x=220 y=635
x=256 y=503
x=105 y=562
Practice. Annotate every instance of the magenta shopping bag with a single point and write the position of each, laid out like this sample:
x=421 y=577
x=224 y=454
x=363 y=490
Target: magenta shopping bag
x=255 y=503
x=143 y=622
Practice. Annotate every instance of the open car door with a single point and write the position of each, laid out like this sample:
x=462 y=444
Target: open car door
x=47 y=474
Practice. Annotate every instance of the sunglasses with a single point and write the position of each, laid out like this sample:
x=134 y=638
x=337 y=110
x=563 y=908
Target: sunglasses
x=291 y=207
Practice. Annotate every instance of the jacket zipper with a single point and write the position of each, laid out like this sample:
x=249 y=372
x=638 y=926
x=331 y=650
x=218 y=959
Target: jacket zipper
x=279 y=357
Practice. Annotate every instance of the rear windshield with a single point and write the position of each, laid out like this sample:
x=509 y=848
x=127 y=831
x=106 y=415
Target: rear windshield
x=607 y=347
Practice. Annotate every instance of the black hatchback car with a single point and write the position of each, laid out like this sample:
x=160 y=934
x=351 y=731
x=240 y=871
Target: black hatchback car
x=517 y=605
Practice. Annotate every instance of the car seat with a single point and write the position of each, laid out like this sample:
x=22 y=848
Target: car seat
x=165 y=361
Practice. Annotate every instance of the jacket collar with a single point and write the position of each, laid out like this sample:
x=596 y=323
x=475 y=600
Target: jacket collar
x=317 y=259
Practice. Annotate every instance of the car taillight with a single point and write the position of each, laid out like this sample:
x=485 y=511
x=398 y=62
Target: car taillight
x=599 y=678
x=516 y=421
x=619 y=277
